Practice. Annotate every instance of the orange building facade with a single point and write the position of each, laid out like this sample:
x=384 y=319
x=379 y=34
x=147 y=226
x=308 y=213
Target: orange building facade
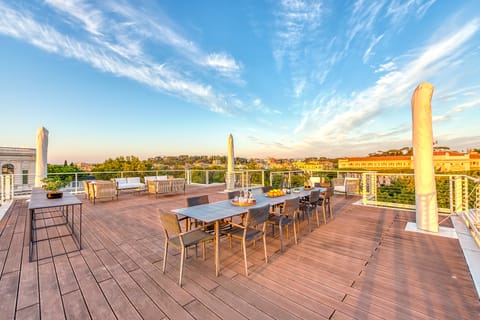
x=443 y=161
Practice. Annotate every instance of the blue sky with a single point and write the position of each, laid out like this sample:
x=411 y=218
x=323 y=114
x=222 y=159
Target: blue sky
x=286 y=78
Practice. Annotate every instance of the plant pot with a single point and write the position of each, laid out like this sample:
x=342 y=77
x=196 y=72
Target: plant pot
x=54 y=195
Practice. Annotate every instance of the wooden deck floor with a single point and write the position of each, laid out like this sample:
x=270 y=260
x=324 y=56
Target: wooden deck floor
x=360 y=265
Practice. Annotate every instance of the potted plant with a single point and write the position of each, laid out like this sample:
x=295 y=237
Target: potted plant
x=53 y=185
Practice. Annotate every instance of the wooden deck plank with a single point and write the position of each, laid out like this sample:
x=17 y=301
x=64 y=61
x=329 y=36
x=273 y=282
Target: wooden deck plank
x=65 y=276
x=8 y=294
x=75 y=307
x=94 y=298
x=29 y=313
x=121 y=306
x=139 y=299
x=51 y=306
x=28 y=291
x=170 y=307
x=362 y=264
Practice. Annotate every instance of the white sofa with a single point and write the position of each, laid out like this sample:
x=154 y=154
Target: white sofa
x=129 y=183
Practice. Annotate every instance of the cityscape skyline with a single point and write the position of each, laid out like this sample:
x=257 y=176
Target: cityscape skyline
x=289 y=79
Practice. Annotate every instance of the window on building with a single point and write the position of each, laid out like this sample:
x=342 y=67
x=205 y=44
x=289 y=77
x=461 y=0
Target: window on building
x=8 y=168
x=24 y=176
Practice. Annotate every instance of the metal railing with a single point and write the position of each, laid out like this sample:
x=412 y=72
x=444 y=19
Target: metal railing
x=456 y=194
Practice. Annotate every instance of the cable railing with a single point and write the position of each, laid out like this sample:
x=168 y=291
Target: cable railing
x=456 y=194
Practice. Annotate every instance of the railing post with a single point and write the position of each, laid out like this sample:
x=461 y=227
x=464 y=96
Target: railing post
x=466 y=205
x=263 y=178
x=450 y=190
x=364 y=188
x=458 y=194
x=206 y=177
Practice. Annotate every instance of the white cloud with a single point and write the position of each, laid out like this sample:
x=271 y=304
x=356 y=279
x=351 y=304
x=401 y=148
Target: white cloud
x=386 y=67
x=393 y=89
x=369 y=50
x=223 y=63
x=91 y=18
x=158 y=76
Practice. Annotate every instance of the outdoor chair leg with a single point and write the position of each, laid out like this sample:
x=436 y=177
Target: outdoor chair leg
x=295 y=232
x=282 y=245
x=165 y=256
x=324 y=213
x=244 y=246
x=182 y=259
x=265 y=245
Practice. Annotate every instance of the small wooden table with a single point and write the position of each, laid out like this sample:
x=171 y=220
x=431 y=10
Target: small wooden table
x=65 y=206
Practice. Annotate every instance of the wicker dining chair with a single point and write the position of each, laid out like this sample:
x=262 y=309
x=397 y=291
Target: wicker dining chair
x=181 y=240
x=249 y=230
x=287 y=216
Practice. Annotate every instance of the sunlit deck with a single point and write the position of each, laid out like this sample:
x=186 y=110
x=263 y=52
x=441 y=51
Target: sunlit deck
x=361 y=264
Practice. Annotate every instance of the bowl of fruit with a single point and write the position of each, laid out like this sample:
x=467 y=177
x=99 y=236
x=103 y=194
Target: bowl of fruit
x=275 y=193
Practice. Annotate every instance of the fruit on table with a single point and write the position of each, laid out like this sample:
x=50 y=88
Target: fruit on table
x=275 y=193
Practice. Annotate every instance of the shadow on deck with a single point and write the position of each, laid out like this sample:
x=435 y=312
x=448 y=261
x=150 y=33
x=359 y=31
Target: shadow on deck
x=361 y=264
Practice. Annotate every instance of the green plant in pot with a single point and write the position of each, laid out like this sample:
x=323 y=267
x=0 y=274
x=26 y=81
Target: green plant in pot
x=52 y=186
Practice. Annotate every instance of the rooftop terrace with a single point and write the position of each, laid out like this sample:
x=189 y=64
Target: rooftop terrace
x=361 y=264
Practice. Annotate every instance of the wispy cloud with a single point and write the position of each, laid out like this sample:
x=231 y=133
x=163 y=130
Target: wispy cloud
x=80 y=11
x=159 y=76
x=459 y=108
x=369 y=50
x=298 y=27
x=161 y=30
x=349 y=114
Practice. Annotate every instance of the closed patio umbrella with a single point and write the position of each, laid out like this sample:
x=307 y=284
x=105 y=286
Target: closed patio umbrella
x=230 y=178
x=425 y=189
x=41 y=156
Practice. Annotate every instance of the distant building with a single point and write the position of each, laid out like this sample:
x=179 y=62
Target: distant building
x=85 y=166
x=444 y=161
x=20 y=162
x=314 y=165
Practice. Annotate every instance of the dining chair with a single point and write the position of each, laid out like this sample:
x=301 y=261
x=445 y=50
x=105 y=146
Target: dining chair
x=232 y=194
x=325 y=200
x=286 y=216
x=191 y=202
x=181 y=240
x=248 y=231
x=310 y=204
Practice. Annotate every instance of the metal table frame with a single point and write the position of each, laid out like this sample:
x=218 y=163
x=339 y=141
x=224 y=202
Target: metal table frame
x=66 y=206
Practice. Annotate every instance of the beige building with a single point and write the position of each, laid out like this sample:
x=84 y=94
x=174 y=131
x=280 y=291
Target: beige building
x=20 y=162
x=444 y=161
x=314 y=165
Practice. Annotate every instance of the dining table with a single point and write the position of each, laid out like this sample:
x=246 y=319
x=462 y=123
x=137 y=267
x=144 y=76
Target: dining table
x=215 y=212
